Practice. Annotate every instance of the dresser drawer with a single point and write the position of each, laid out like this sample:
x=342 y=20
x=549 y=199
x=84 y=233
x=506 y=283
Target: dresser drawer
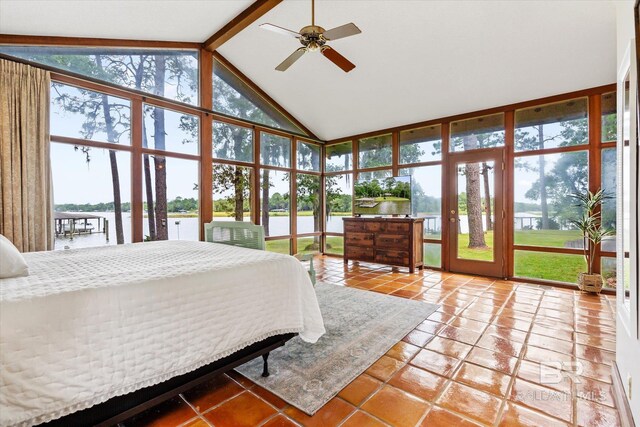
x=392 y=257
x=363 y=226
x=396 y=227
x=356 y=226
x=358 y=253
x=393 y=241
x=359 y=239
x=373 y=227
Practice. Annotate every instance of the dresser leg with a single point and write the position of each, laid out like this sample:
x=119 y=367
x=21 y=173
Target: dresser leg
x=346 y=261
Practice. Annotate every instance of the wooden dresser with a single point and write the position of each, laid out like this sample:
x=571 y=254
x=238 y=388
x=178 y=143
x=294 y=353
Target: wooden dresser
x=392 y=241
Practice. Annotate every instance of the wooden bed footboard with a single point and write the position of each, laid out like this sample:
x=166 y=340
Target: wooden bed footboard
x=120 y=408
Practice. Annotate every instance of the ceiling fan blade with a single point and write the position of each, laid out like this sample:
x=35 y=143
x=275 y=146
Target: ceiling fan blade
x=291 y=59
x=342 y=32
x=337 y=59
x=280 y=30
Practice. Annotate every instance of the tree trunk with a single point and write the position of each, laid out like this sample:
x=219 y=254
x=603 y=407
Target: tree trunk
x=115 y=175
x=265 y=201
x=160 y=162
x=487 y=195
x=238 y=179
x=238 y=184
x=151 y=217
x=474 y=201
x=117 y=201
x=148 y=185
x=317 y=212
x=542 y=179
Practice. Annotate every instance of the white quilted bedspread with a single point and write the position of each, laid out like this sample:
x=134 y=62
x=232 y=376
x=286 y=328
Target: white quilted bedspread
x=91 y=324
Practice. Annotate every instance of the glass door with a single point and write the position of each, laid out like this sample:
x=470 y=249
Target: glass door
x=476 y=213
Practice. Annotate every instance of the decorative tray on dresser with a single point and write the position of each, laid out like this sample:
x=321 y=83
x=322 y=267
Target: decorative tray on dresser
x=392 y=241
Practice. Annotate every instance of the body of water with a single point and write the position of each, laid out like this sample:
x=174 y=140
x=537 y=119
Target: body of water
x=179 y=229
x=187 y=229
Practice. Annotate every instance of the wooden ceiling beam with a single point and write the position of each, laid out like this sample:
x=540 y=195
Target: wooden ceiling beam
x=239 y=23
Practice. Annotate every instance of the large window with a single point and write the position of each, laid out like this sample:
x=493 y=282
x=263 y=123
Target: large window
x=139 y=158
x=376 y=174
x=275 y=150
x=609 y=205
x=92 y=186
x=168 y=130
x=476 y=133
x=146 y=183
x=543 y=202
x=308 y=158
x=545 y=183
x=171 y=199
x=232 y=195
x=338 y=196
x=308 y=203
x=338 y=157
x=234 y=97
x=168 y=73
x=609 y=121
x=92 y=196
x=374 y=151
x=560 y=124
x=275 y=202
x=421 y=145
x=309 y=212
x=426 y=197
x=231 y=142
x=544 y=188
x=89 y=115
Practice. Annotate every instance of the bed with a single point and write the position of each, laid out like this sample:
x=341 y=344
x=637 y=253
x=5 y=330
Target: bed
x=89 y=325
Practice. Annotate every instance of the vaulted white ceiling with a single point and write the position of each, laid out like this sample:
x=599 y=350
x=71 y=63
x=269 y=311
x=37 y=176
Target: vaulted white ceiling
x=167 y=20
x=416 y=59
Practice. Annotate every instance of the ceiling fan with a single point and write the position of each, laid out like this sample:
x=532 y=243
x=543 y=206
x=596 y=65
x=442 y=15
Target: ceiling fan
x=314 y=38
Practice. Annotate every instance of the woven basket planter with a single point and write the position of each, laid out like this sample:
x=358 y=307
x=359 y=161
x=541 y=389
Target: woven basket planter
x=590 y=282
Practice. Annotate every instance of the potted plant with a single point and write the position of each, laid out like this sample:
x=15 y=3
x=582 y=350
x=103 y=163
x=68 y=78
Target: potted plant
x=590 y=224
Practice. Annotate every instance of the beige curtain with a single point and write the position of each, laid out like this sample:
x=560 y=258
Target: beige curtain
x=26 y=200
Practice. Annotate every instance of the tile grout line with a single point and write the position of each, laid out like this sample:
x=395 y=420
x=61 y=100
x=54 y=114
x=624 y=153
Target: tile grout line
x=518 y=362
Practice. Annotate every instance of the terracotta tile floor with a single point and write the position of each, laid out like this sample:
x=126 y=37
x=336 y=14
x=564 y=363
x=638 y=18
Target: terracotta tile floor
x=496 y=353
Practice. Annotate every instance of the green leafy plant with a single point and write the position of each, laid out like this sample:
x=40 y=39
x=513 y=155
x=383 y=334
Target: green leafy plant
x=590 y=223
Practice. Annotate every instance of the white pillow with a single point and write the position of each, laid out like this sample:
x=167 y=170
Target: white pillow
x=12 y=263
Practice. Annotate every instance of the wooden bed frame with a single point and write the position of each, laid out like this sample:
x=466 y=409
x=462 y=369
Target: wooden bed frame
x=120 y=408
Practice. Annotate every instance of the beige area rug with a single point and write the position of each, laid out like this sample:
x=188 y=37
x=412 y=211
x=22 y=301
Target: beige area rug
x=361 y=327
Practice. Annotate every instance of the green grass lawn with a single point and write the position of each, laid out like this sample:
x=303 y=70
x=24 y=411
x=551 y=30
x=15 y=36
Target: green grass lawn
x=548 y=266
x=432 y=255
x=336 y=243
x=537 y=265
x=282 y=246
x=549 y=238
x=475 y=254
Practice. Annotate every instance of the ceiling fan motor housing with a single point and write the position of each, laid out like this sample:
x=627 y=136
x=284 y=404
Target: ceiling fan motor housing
x=312 y=37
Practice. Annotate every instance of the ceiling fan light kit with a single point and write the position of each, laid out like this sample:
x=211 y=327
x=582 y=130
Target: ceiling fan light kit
x=313 y=39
